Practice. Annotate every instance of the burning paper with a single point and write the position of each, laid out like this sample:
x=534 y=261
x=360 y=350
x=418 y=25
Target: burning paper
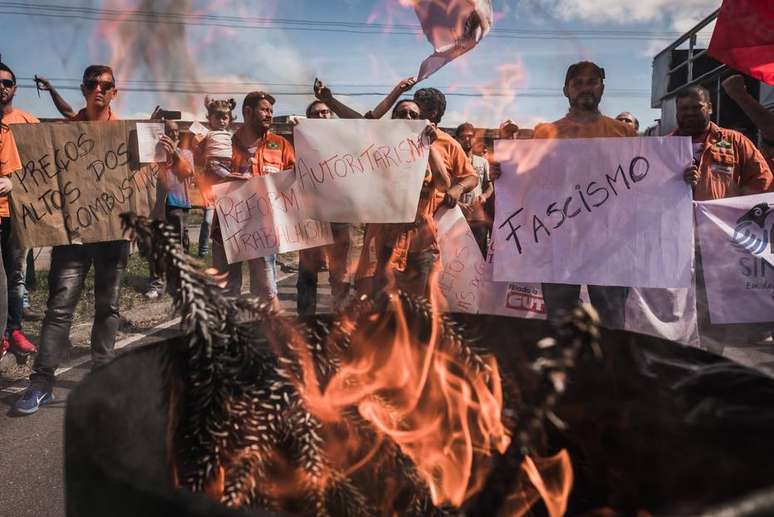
x=453 y=27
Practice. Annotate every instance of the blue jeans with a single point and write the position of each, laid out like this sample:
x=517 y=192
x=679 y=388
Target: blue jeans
x=13 y=260
x=204 y=231
x=263 y=274
x=69 y=266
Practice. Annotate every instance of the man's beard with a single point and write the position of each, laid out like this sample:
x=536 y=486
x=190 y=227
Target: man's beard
x=586 y=102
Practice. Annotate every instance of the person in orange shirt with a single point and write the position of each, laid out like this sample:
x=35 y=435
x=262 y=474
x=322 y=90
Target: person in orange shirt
x=584 y=85
x=13 y=254
x=69 y=266
x=9 y=163
x=726 y=163
x=256 y=152
x=311 y=260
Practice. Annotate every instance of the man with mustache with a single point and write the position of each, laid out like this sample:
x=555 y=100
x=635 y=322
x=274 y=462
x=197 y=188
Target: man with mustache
x=584 y=85
x=726 y=163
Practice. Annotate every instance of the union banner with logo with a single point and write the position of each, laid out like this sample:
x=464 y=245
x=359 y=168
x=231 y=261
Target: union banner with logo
x=736 y=237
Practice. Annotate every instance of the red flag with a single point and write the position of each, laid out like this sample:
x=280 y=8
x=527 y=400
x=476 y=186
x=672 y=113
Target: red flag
x=744 y=37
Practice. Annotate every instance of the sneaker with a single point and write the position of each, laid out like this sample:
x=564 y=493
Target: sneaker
x=152 y=293
x=20 y=344
x=32 y=399
x=30 y=315
x=4 y=347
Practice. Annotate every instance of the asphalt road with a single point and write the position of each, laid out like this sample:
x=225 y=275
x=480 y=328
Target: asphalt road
x=31 y=456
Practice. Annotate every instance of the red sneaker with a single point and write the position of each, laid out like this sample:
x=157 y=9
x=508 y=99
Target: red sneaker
x=20 y=343
x=4 y=347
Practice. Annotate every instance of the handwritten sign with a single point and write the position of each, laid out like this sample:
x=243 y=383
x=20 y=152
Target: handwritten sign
x=736 y=236
x=75 y=181
x=264 y=215
x=596 y=211
x=461 y=261
x=360 y=171
x=148 y=137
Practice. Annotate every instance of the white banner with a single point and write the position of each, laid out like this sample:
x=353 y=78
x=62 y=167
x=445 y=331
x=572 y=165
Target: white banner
x=601 y=211
x=462 y=264
x=453 y=27
x=360 y=171
x=736 y=238
x=264 y=215
x=665 y=313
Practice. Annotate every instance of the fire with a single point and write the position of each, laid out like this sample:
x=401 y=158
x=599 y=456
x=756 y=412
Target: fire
x=442 y=413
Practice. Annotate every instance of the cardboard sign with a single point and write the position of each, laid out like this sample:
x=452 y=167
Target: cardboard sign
x=77 y=177
x=601 y=211
x=264 y=215
x=736 y=236
x=462 y=264
x=360 y=171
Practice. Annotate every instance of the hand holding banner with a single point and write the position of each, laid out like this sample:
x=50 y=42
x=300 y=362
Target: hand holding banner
x=264 y=215
x=360 y=171
x=598 y=211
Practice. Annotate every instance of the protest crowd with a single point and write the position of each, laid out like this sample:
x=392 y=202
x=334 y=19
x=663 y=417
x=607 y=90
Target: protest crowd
x=461 y=171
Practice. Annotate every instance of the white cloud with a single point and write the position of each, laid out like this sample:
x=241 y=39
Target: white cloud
x=681 y=15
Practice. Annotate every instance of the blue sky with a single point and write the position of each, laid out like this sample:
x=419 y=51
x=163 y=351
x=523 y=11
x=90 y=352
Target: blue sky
x=520 y=71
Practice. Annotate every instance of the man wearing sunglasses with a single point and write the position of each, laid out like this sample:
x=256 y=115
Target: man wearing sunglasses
x=69 y=266
x=99 y=90
x=13 y=255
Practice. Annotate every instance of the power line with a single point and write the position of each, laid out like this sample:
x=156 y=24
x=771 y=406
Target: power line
x=257 y=23
x=247 y=84
x=556 y=93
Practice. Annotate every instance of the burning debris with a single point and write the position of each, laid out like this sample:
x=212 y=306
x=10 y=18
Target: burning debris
x=388 y=410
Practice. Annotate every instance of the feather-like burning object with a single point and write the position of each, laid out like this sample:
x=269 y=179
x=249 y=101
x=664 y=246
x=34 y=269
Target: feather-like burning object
x=277 y=414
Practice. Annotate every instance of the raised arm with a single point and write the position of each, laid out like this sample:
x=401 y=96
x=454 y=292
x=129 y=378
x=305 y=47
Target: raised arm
x=323 y=93
x=61 y=105
x=760 y=116
x=389 y=101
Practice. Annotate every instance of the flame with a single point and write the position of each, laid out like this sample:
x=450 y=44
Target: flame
x=549 y=479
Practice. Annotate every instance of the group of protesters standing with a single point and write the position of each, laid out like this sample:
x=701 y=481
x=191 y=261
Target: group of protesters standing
x=401 y=255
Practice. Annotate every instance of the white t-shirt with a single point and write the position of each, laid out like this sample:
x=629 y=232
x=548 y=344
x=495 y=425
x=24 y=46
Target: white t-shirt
x=217 y=143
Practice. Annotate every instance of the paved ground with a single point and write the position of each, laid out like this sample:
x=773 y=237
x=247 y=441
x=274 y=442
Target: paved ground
x=31 y=460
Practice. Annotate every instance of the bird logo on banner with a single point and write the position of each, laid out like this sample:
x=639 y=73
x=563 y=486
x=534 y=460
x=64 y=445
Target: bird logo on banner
x=751 y=232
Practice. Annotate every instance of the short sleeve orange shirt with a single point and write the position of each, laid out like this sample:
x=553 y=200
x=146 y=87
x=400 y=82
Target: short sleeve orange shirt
x=16 y=116
x=9 y=162
x=422 y=235
x=600 y=128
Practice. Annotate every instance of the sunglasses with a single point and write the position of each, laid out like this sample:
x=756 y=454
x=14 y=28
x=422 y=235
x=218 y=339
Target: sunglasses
x=92 y=84
x=407 y=114
x=320 y=113
x=7 y=83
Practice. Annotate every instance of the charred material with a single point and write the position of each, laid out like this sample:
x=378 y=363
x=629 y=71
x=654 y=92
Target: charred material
x=241 y=430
